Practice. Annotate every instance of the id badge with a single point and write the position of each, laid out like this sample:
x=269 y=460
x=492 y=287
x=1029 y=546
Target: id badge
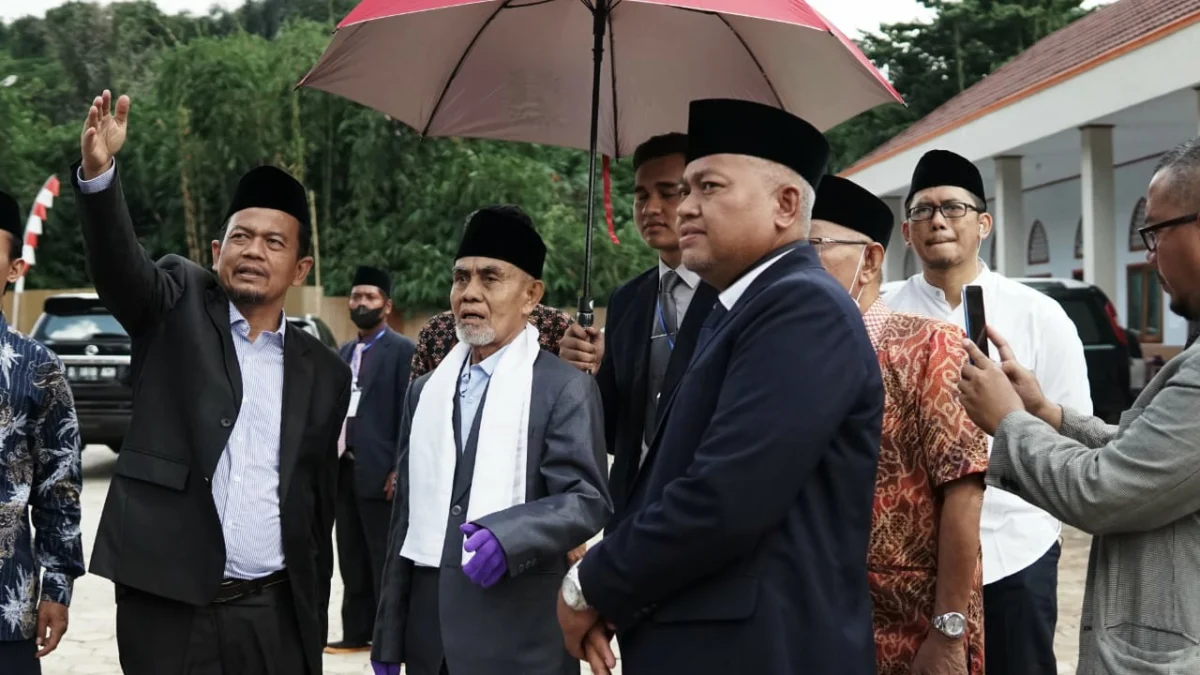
x=352 y=411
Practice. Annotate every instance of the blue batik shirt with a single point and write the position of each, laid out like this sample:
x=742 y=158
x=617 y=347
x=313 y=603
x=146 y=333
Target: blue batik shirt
x=40 y=478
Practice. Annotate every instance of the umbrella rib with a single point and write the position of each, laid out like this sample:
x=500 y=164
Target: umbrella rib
x=458 y=66
x=754 y=58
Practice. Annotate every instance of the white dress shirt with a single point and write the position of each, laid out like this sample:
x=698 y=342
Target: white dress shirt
x=1013 y=533
x=731 y=295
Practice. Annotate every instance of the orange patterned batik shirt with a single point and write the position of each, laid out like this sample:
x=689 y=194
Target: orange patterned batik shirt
x=927 y=441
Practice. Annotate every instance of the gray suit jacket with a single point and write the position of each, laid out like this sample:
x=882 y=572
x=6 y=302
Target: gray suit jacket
x=1136 y=487
x=511 y=628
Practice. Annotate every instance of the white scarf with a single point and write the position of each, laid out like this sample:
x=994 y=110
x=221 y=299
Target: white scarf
x=498 y=480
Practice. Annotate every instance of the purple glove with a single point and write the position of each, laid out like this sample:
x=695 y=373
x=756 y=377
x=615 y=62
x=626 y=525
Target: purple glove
x=489 y=564
x=385 y=668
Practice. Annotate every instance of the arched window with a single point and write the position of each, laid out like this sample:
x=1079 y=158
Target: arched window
x=1038 y=252
x=1137 y=222
x=1079 y=240
x=910 y=262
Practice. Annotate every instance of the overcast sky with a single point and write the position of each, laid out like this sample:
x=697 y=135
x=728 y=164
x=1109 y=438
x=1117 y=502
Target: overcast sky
x=849 y=15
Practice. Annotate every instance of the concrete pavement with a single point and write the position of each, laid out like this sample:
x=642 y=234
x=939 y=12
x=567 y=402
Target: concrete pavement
x=89 y=647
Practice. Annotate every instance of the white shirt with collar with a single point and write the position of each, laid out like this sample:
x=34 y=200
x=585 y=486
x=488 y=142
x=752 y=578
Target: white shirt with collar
x=1013 y=533
x=731 y=295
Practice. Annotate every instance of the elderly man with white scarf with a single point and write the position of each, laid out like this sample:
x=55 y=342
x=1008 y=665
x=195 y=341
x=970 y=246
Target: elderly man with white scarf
x=502 y=471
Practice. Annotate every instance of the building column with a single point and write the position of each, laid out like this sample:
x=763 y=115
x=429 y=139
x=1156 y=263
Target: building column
x=893 y=262
x=1194 y=326
x=1098 y=180
x=1009 y=218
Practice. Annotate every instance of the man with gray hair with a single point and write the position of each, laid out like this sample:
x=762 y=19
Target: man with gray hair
x=502 y=472
x=1135 y=486
x=744 y=546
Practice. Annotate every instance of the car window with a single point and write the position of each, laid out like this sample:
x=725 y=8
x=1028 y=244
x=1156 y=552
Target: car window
x=1087 y=320
x=79 y=327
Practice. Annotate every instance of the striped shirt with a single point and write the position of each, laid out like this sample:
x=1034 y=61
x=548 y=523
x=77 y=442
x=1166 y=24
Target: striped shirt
x=245 y=486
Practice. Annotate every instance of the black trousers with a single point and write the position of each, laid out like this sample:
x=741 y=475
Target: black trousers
x=1019 y=615
x=362 y=530
x=254 y=635
x=19 y=658
x=424 y=654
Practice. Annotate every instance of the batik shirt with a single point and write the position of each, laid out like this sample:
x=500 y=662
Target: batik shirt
x=437 y=337
x=927 y=442
x=40 y=477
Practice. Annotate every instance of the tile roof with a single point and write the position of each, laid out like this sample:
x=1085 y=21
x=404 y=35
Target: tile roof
x=1104 y=34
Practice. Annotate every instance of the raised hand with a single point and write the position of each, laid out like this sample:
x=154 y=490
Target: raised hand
x=103 y=134
x=582 y=347
x=1024 y=381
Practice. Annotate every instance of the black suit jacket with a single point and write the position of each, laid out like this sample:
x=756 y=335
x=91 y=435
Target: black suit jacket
x=624 y=371
x=745 y=546
x=374 y=433
x=159 y=531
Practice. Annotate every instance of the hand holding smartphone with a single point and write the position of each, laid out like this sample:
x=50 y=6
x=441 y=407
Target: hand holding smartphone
x=972 y=298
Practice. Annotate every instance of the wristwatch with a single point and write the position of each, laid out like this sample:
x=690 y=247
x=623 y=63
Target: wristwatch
x=572 y=592
x=952 y=625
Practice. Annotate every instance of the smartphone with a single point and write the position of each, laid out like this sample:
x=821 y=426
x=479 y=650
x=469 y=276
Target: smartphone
x=972 y=298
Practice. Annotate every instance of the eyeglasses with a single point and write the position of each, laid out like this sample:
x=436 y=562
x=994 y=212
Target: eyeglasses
x=1150 y=232
x=950 y=210
x=820 y=241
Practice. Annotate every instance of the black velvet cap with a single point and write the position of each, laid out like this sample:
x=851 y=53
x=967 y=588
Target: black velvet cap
x=728 y=126
x=373 y=276
x=10 y=216
x=944 y=168
x=848 y=204
x=269 y=187
x=504 y=233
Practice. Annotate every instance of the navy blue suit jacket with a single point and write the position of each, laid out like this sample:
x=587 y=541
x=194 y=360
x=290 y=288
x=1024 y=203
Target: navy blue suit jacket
x=374 y=433
x=745 y=545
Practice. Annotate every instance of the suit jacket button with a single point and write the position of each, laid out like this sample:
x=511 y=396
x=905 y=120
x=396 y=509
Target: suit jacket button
x=456 y=510
x=226 y=422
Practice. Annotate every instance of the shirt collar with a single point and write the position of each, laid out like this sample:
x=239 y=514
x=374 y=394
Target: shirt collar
x=371 y=340
x=731 y=295
x=239 y=323
x=689 y=277
x=982 y=279
x=488 y=365
x=875 y=318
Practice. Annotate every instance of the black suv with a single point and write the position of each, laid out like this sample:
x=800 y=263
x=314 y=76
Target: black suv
x=95 y=350
x=1105 y=342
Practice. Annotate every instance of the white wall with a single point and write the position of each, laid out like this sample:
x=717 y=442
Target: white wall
x=1058 y=207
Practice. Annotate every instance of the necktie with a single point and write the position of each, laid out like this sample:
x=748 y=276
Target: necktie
x=662 y=338
x=355 y=362
x=710 y=326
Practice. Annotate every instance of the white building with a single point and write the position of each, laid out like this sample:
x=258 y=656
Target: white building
x=1066 y=137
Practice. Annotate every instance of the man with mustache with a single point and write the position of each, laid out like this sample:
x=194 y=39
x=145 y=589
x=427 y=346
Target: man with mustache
x=947 y=220
x=651 y=324
x=744 y=547
x=379 y=361
x=217 y=528
x=923 y=564
x=1135 y=486
x=502 y=472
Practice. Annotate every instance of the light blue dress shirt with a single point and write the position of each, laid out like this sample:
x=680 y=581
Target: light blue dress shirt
x=472 y=385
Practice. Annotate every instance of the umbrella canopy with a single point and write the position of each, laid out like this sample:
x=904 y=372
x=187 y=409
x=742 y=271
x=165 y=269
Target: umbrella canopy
x=522 y=70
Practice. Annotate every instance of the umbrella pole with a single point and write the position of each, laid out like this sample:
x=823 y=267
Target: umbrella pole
x=586 y=314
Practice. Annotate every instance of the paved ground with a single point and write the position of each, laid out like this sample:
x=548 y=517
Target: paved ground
x=90 y=645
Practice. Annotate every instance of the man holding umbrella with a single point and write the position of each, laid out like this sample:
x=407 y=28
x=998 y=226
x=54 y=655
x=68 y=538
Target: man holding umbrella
x=652 y=321
x=744 y=549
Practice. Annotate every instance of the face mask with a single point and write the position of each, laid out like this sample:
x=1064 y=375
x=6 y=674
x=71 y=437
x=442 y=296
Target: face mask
x=365 y=317
x=861 y=259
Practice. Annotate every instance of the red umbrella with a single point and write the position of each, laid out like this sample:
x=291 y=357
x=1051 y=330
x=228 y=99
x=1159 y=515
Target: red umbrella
x=515 y=69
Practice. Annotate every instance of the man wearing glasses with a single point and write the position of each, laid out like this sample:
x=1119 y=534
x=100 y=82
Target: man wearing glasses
x=1136 y=486
x=946 y=223
x=923 y=559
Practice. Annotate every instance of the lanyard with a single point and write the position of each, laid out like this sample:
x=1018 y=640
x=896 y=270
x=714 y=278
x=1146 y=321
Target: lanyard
x=663 y=324
x=361 y=354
